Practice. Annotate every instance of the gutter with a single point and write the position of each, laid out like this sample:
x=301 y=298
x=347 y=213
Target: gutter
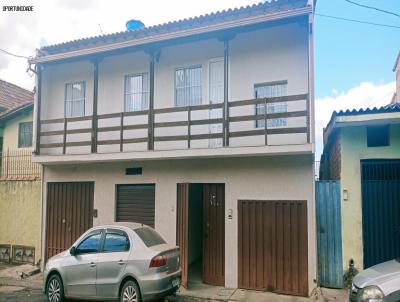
x=170 y=36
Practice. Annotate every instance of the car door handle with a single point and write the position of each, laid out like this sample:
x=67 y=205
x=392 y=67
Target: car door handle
x=121 y=262
x=92 y=264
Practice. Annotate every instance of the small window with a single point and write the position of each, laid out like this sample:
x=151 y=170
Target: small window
x=116 y=243
x=25 y=135
x=89 y=245
x=188 y=86
x=271 y=90
x=75 y=99
x=149 y=237
x=378 y=136
x=136 y=92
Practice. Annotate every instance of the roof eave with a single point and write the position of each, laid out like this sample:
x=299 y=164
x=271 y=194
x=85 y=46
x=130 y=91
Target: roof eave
x=15 y=112
x=173 y=35
x=349 y=120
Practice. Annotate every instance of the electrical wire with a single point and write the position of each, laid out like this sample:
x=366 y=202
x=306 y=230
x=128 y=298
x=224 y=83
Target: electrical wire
x=374 y=8
x=374 y=102
x=358 y=21
x=14 y=55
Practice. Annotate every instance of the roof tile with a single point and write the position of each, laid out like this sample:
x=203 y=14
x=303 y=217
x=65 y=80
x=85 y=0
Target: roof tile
x=13 y=97
x=262 y=8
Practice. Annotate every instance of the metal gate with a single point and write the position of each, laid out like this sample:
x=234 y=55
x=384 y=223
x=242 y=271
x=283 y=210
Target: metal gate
x=329 y=234
x=380 y=188
x=273 y=246
x=69 y=214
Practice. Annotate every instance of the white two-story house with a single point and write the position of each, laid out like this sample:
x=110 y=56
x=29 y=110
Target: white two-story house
x=202 y=128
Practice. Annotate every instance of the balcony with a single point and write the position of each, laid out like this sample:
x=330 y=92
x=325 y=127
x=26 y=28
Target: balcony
x=203 y=127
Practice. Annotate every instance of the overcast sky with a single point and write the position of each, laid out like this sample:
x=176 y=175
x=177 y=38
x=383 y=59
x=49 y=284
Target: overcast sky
x=353 y=61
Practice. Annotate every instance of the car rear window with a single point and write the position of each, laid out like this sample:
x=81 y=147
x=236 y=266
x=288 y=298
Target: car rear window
x=149 y=236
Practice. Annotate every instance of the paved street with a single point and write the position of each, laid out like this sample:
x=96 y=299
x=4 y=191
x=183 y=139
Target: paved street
x=22 y=296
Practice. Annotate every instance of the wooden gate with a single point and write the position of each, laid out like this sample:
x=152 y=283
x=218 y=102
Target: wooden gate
x=273 y=246
x=214 y=234
x=182 y=229
x=69 y=214
x=329 y=234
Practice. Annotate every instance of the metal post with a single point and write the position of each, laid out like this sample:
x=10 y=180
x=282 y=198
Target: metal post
x=150 y=142
x=189 y=130
x=95 y=97
x=226 y=97
x=38 y=106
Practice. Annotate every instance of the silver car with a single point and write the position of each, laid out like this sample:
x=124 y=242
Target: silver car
x=129 y=262
x=379 y=283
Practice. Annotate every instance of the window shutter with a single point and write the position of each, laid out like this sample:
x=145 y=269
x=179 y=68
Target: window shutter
x=136 y=203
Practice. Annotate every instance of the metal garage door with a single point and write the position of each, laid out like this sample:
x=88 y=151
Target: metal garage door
x=380 y=188
x=69 y=214
x=273 y=246
x=135 y=203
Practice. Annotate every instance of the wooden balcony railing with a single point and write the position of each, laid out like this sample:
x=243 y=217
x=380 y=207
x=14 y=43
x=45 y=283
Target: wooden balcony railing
x=176 y=124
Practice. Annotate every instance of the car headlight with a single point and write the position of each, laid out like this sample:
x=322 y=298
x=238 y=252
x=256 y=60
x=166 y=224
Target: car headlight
x=370 y=293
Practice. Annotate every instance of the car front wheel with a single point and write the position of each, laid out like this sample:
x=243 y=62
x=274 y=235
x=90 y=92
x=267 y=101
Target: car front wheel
x=55 y=290
x=130 y=292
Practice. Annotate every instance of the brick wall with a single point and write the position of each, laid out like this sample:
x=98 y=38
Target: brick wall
x=331 y=158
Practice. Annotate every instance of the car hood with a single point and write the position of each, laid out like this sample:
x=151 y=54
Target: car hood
x=385 y=275
x=59 y=256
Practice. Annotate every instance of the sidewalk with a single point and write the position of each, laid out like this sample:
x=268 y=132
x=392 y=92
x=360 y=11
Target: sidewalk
x=11 y=280
x=207 y=293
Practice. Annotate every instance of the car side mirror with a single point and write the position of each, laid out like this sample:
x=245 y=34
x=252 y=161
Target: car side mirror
x=72 y=251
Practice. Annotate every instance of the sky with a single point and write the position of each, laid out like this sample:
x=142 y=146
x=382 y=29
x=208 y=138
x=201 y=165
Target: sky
x=353 y=61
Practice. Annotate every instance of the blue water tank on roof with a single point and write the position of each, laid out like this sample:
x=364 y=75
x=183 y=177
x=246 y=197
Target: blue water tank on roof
x=134 y=24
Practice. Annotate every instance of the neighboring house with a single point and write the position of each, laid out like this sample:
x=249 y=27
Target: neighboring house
x=202 y=128
x=19 y=178
x=396 y=69
x=362 y=151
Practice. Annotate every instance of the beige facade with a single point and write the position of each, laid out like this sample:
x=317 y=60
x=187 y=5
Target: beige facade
x=353 y=149
x=244 y=178
x=346 y=145
x=11 y=130
x=271 y=165
x=20 y=213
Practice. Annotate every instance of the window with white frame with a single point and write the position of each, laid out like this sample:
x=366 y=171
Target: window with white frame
x=188 y=86
x=136 y=92
x=271 y=90
x=25 y=135
x=75 y=99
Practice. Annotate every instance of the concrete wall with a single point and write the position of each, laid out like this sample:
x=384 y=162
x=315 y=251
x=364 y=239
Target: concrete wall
x=20 y=212
x=265 y=178
x=265 y=55
x=354 y=148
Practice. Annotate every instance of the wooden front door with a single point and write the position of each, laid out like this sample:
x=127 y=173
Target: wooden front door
x=69 y=213
x=273 y=246
x=182 y=228
x=214 y=234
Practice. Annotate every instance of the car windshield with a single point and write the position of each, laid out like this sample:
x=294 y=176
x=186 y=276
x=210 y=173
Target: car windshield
x=149 y=236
